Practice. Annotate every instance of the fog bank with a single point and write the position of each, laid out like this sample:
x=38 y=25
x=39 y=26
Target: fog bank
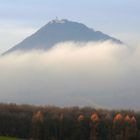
x=84 y=74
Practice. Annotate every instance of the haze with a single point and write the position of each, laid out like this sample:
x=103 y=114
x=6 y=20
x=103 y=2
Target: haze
x=84 y=74
x=101 y=74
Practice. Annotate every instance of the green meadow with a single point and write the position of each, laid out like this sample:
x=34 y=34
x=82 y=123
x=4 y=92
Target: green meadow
x=8 y=138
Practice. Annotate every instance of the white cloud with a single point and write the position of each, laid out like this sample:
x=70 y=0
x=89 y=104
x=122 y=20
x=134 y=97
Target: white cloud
x=98 y=74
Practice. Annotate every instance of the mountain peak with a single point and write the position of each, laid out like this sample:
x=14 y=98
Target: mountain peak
x=60 y=30
x=58 y=21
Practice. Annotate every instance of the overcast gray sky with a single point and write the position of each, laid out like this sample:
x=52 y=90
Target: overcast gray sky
x=119 y=18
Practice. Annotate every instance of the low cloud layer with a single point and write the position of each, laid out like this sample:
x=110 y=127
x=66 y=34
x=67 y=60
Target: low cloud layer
x=84 y=74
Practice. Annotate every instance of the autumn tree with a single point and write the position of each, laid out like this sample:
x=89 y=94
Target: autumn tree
x=94 y=124
x=37 y=126
x=127 y=131
x=82 y=128
x=118 y=127
x=133 y=128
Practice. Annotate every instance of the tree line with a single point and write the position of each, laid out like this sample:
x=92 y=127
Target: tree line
x=68 y=123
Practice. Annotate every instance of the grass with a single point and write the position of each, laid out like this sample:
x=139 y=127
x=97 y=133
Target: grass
x=8 y=138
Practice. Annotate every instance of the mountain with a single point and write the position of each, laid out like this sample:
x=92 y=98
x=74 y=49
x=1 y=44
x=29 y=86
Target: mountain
x=57 y=31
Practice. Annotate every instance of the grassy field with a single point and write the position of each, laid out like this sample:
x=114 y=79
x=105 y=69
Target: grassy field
x=8 y=138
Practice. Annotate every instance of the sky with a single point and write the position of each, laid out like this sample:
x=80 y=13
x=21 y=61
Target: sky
x=118 y=18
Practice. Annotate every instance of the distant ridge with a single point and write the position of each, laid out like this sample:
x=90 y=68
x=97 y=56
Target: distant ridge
x=57 y=31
